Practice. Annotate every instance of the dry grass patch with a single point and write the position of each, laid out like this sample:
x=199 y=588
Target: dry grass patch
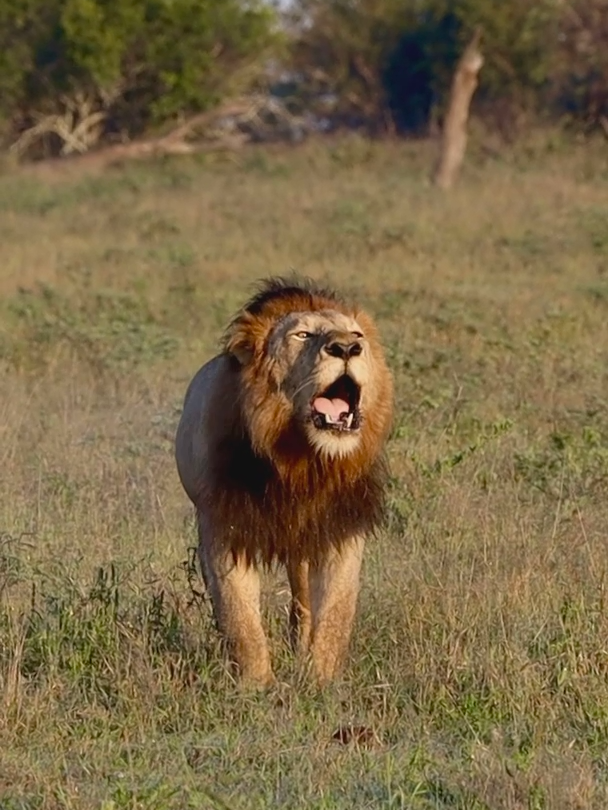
x=478 y=676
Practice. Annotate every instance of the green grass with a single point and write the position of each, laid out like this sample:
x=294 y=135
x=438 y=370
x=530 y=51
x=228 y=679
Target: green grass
x=478 y=676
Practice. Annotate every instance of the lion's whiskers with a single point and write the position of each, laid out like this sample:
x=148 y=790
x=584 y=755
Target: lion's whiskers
x=308 y=381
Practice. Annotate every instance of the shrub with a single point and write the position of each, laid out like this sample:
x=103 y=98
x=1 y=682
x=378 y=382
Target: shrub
x=581 y=62
x=386 y=63
x=99 y=67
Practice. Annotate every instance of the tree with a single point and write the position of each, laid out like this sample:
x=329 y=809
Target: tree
x=88 y=68
x=580 y=69
x=388 y=63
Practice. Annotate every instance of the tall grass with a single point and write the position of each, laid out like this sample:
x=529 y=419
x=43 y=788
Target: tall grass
x=478 y=676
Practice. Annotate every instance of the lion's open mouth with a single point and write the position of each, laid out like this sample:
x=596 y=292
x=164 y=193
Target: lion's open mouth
x=337 y=408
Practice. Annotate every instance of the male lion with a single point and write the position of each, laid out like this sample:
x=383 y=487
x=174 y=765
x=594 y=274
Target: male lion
x=280 y=448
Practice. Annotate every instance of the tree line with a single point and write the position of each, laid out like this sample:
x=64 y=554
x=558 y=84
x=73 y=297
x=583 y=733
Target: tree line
x=74 y=73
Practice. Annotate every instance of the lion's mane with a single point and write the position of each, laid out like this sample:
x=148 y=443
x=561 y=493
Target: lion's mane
x=273 y=496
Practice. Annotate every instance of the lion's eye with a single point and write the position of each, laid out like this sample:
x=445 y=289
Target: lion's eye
x=303 y=335
x=357 y=334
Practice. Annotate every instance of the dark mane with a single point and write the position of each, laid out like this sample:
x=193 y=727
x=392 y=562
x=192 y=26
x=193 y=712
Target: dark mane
x=274 y=298
x=262 y=518
x=289 y=288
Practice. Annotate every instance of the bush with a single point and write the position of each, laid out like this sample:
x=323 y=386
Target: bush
x=99 y=66
x=340 y=50
x=386 y=63
x=75 y=71
x=581 y=62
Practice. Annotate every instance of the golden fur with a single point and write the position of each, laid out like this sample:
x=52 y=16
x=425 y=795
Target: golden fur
x=281 y=448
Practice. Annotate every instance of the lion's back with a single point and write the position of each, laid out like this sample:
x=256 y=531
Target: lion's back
x=208 y=416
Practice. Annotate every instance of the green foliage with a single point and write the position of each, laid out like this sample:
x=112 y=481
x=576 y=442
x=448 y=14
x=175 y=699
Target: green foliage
x=390 y=63
x=20 y=28
x=581 y=61
x=97 y=35
x=343 y=47
x=515 y=43
x=139 y=61
x=109 y=331
x=194 y=75
x=566 y=466
x=381 y=64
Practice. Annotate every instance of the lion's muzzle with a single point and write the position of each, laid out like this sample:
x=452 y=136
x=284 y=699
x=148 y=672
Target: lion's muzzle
x=343 y=345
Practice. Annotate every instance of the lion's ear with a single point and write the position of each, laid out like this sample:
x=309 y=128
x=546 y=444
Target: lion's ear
x=238 y=341
x=242 y=353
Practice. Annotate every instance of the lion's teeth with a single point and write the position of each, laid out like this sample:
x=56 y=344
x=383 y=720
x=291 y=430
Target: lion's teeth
x=349 y=419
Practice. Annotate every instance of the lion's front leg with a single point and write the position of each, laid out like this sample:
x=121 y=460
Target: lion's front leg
x=235 y=593
x=334 y=588
x=300 y=614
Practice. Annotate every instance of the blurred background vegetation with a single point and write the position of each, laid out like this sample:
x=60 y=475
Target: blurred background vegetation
x=77 y=73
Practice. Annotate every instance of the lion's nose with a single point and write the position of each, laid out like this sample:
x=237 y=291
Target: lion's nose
x=344 y=349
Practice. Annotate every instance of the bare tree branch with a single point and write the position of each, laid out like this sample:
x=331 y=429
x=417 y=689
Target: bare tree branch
x=217 y=129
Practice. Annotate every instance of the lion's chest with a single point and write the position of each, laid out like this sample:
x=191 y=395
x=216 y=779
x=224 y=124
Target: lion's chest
x=257 y=511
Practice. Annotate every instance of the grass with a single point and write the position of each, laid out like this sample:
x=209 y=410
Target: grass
x=478 y=677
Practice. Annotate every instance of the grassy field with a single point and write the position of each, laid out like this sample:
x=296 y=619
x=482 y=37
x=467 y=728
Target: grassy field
x=478 y=676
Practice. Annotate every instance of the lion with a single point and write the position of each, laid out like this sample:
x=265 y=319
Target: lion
x=281 y=449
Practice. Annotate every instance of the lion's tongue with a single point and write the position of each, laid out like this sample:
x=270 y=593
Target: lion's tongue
x=334 y=408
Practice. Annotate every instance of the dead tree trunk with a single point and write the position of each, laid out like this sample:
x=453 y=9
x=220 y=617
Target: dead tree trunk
x=454 y=136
